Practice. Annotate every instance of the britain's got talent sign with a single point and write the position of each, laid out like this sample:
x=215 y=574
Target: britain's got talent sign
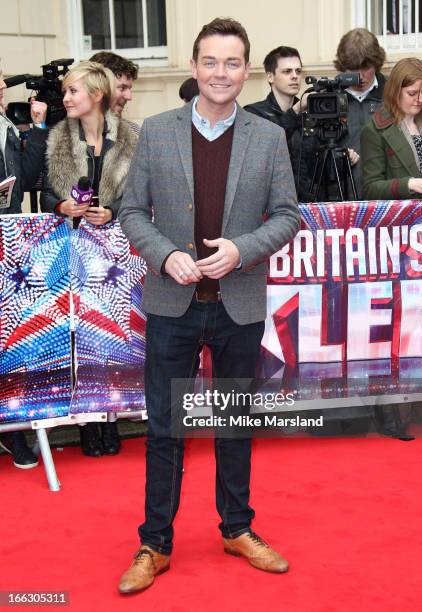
x=345 y=303
x=344 y=312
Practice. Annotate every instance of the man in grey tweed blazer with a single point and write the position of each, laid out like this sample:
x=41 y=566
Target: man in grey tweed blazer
x=220 y=185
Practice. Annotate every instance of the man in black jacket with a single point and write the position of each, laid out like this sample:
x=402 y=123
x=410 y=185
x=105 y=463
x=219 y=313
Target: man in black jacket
x=282 y=106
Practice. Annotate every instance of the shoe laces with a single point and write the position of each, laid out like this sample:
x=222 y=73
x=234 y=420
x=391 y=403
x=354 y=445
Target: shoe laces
x=257 y=540
x=144 y=555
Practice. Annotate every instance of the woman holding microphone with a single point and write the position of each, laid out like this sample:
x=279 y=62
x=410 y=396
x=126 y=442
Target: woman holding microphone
x=90 y=142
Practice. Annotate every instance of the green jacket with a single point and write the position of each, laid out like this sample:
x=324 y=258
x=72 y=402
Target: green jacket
x=388 y=160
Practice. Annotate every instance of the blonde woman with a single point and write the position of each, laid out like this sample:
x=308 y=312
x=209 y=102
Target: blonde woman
x=91 y=141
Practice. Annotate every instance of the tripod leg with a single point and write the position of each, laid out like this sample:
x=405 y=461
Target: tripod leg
x=321 y=175
x=350 y=175
x=316 y=173
x=337 y=174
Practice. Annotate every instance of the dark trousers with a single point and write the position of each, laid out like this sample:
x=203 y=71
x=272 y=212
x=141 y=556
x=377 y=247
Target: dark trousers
x=173 y=346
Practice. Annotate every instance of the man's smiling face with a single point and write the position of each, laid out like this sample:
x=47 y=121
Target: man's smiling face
x=123 y=94
x=220 y=69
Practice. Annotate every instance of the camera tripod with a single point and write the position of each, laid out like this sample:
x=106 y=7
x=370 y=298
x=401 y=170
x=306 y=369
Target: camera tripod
x=332 y=174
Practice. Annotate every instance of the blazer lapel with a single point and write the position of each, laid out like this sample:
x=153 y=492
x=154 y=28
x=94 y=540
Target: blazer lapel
x=398 y=143
x=183 y=129
x=241 y=135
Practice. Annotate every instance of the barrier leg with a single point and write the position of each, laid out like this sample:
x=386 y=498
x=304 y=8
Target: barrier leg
x=50 y=470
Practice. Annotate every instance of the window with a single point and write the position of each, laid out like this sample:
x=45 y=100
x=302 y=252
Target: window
x=397 y=23
x=132 y=28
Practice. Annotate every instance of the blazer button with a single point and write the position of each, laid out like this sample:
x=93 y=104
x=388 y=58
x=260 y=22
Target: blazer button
x=189 y=206
x=190 y=246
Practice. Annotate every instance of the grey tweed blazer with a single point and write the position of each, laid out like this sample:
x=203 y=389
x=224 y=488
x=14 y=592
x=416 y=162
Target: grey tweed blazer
x=260 y=183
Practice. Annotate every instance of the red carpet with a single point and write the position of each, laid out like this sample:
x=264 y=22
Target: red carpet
x=346 y=513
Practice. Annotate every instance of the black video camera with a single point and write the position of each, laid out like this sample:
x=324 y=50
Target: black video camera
x=48 y=88
x=327 y=111
x=327 y=119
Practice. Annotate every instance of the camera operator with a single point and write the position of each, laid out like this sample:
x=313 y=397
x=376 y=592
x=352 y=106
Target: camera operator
x=359 y=51
x=25 y=165
x=283 y=66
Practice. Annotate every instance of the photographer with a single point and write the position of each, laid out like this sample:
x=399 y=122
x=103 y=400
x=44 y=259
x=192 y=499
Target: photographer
x=25 y=165
x=359 y=51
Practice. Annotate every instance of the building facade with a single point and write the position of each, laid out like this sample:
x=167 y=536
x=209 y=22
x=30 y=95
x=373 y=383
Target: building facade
x=158 y=34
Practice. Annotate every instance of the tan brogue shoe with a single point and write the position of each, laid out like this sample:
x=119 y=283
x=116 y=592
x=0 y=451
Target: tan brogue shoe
x=257 y=552
x=147 y=564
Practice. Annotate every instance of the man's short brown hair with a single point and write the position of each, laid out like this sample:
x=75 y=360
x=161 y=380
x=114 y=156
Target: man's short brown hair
x=224 y=26
x=119 y=66
x=358 y=49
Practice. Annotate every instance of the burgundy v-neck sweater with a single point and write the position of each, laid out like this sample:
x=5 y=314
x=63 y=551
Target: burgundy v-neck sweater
x=211 y=161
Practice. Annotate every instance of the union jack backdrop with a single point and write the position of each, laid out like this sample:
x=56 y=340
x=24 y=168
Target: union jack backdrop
x=50 y=335
x=107 y=280
x=35 y=363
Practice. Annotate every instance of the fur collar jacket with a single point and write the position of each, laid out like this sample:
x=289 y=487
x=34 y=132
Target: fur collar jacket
x=67 y=158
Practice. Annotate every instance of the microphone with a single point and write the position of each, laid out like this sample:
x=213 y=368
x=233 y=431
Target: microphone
x=82 y=193
x=17 y=80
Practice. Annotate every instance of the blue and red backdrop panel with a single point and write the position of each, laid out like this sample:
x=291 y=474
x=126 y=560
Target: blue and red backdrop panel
x=344 y=311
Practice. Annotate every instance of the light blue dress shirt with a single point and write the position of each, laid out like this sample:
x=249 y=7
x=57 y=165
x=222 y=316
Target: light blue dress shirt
x=204 y=127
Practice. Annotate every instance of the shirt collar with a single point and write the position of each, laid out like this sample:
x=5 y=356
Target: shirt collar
x=201 y=121
x=361 y=95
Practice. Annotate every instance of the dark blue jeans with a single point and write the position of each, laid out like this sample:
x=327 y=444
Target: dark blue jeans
x=173 y=346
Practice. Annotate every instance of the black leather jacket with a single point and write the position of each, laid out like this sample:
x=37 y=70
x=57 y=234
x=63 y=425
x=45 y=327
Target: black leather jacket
x=302 y=150
x=270 y=109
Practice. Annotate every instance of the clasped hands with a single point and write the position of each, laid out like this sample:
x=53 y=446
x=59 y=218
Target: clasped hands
x=181 y=267
x=97 y=215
